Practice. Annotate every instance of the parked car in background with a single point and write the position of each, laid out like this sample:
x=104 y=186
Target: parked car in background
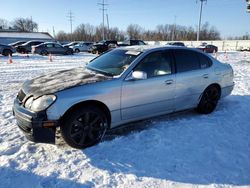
x=51 y=48
x=132 y=43
x=71 y=44
x=103 y=46
x=6 y=50
x=123 y=85
x=176 y=44
x=82 y=47
x=26 y=47
x=15 y=44
x=208 y=48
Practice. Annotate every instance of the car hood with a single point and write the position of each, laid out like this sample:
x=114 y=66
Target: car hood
x=58 y=81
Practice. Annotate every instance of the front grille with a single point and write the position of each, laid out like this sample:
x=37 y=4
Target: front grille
x=21 y=95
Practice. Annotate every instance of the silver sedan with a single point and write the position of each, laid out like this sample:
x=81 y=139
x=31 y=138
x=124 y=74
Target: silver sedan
x=123 y=85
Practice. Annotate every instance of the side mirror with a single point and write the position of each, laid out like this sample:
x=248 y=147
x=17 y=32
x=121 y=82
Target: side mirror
x=138 y=75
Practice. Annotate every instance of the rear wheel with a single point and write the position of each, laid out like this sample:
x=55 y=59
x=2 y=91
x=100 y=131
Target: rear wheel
x=7 y=52
x=44 y=52
x=84 y=127
x=209 y=100
x=77 y=50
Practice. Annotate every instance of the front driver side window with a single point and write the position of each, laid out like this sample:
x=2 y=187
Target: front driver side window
x=155 y=64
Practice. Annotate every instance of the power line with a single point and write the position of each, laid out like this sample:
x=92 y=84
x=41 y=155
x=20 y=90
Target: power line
x=70 y=17
x=199 y=26
x=103 y=5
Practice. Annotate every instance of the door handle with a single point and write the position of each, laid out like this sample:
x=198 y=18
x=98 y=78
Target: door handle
x=169 y=82
x=205 y=76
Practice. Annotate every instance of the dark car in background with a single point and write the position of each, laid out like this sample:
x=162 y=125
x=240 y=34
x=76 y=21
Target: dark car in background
x=103 y=46
x=51 y=48
x=132 y=42
x=15 y=44
x=6 y=50
x=26 y=47
x=176 y=44
x=208 y=48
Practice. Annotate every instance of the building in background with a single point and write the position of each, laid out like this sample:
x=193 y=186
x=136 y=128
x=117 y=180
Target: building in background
x=10 y=36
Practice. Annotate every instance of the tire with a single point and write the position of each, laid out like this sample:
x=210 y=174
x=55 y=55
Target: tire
x=7 y=52
x=77 y=50
x=69 y=52
x=44 y=52
x=84 y=127
x=209 y=100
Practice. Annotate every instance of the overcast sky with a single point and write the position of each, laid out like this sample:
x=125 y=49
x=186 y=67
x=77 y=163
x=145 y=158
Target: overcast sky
x=228 y=16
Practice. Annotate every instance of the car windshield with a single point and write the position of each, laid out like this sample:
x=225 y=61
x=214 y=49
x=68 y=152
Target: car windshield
x=113 y=63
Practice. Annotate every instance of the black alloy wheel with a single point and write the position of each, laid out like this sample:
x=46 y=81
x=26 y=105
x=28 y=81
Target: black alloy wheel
x=84 y=128
x=209 y=100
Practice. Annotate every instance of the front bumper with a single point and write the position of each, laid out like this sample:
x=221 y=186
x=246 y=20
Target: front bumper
x=32 y=124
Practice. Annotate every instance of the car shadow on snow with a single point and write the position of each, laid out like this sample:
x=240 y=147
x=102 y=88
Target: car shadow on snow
x=184 y=147
x=13 y=178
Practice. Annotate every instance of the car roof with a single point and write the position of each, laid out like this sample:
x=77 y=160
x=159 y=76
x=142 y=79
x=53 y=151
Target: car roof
x=143 y=48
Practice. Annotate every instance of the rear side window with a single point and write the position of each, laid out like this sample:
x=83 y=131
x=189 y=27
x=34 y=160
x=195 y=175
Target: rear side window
x=49 y=45
x=205 y=62
x=186 y=60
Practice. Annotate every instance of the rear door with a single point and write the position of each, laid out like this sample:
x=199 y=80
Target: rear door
x=191 y=78
x=151 y=96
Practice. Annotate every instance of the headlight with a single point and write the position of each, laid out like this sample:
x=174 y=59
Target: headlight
x=40 y=103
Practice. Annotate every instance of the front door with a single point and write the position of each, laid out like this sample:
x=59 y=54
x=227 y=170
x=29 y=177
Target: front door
x=151 y=96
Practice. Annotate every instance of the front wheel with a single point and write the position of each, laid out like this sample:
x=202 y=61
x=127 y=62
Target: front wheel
x=209 y=100
x=84 y=127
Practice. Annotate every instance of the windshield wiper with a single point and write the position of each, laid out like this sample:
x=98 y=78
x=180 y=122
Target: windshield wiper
x=100 y=71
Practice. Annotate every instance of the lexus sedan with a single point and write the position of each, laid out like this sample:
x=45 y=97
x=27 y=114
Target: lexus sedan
x=123 y=85
x=51 y=48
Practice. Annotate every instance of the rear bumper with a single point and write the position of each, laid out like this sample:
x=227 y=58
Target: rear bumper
x=32 y=124
x=225 y=91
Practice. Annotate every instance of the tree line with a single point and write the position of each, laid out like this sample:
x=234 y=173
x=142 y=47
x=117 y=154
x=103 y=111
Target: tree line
x=169 y=32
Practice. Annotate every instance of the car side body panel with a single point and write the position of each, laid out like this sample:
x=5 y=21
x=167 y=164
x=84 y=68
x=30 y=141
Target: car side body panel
x=129 y=101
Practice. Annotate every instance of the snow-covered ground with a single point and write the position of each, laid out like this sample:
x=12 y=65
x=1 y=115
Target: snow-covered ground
x=185 y=149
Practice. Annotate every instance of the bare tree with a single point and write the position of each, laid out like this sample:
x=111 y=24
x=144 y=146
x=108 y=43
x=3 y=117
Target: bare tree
x=25 y=24
x=134 y=31
x=4 y=24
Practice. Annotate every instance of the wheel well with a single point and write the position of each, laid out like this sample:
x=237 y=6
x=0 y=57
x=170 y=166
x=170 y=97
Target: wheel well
x=95 y=103
x=217 y=86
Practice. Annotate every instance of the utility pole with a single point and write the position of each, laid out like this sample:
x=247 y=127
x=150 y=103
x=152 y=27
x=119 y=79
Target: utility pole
x=199 y=27
x=32 y=26
x=70 y=17
x=107 y=25
x=54 y=33
x=103 y=5
x=174 y=29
